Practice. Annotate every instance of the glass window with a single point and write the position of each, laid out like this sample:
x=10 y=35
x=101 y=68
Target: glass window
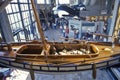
x=16 y=7
x=23 y=1
x=22 y=37
x=12 y=18
x=64 y=1
x=15 y=39
x=30 y=6
x=9 y=9
x=40 y=1
x=13 y=7
x=47 y=1
x=29 y=1
x=14 y=1
x=33 y=18
x=20 y=24
x=26 y=7
x=43 y=1
x=23 y=14
x=14 y=27
x=9 y=19
x=25 y=22
x=22 y=7
x=16 y=18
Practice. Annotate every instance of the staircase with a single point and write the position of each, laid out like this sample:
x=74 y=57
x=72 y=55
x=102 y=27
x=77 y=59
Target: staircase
x=113 y=72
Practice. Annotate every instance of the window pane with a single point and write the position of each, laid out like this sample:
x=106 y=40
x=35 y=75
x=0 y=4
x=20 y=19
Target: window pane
x=26 y=7
x=14 y=1
x=23 y=1
x=9 y=19
x=40 y=1
x=23 y=14
x=64 y=1
x=22 y=7
x=8 y=9
x=47 y=1
x=16 y=18
x=13 y=7
x=12 y=18
x=20 y=24
x=16 y=7
x=30 y=6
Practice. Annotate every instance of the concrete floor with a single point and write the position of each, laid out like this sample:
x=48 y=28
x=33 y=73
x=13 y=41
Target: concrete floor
x=83 y=75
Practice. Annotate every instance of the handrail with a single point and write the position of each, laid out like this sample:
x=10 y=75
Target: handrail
x=17 y=31
x=57 y=68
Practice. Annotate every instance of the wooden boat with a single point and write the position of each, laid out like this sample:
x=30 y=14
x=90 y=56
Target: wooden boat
x=57 y=52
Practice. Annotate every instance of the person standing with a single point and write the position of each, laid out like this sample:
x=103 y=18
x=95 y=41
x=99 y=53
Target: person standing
x=67 y=30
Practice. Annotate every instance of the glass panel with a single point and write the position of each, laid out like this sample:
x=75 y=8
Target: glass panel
x=20 y=24
x=25 y=22
x=28 y=21
x=47 y=1
x=16 y=7
x=26 y=7
x=13 y=7
x=23 y=1
x=23 y=14
x=22 y=7
x=15 y=1
x=15 y=39
x=33 y=18
x=8 y=9
x=9 y=19
x=29 y=1
x=30 y=6
x=22 y=36
x=64 y=1
x=17 y=25
x=12 y=18
x=16 y=18
x=40 y=1
x=14 y=27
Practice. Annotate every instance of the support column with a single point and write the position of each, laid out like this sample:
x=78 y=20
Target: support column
x=115 y=12
x=5 y=27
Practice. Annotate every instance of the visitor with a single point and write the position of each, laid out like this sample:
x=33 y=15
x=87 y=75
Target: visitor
x=67 y=30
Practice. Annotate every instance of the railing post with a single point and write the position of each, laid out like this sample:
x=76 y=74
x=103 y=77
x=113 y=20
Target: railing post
x=32 y=73
x=94 y=71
